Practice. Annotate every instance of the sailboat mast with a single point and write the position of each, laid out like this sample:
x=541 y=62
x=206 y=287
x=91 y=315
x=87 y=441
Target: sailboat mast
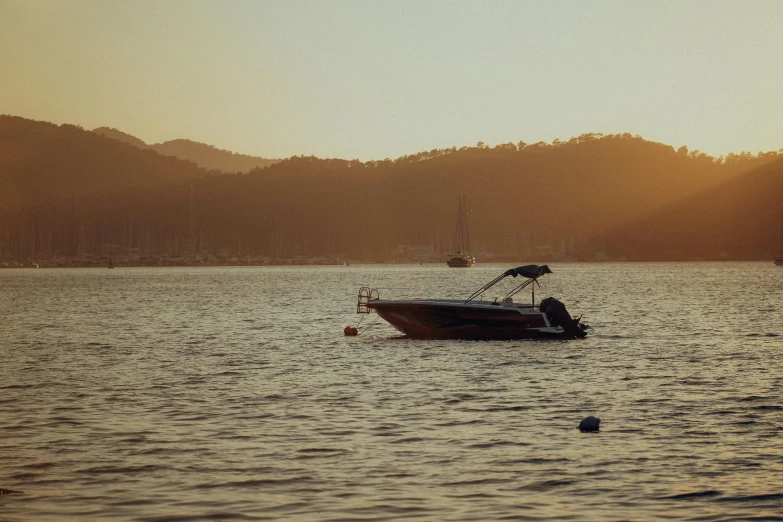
x=459 y=233
x=467 y=233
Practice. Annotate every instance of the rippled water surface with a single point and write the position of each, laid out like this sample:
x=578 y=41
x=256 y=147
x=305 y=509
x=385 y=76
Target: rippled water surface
x=231 y=393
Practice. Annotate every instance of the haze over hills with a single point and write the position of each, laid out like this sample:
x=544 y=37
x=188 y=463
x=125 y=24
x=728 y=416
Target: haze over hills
x=526 y=202
x=741 y=218
x=206 y=156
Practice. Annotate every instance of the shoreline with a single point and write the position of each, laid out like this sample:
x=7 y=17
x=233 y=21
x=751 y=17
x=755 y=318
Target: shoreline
x=28 y=265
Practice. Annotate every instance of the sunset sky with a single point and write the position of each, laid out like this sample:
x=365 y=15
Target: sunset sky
x=371 y=79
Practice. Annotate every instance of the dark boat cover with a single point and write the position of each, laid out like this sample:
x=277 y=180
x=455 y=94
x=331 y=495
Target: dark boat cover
x=529 y=271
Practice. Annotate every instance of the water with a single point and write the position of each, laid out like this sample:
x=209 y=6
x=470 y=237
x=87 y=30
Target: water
x=231 y=393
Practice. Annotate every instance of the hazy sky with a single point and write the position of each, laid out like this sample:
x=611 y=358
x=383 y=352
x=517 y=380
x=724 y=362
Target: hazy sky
x=371 y=79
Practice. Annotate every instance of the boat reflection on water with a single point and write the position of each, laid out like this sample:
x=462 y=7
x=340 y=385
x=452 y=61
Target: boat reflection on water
x=474 y=318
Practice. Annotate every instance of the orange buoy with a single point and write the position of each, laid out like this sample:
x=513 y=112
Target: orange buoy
x=350 y=330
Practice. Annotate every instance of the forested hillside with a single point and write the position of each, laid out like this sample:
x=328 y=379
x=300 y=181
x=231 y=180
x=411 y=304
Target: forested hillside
x=72 y=191
x=41 y=163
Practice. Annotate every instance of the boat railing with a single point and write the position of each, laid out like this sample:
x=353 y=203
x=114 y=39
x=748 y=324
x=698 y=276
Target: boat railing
x=366 y=294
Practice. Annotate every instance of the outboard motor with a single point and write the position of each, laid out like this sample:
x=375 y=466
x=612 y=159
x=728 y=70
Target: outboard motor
x=558 y=316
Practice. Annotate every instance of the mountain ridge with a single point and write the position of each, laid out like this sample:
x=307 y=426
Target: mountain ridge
x=204 y=155
x=540 y=201
x=41 y=162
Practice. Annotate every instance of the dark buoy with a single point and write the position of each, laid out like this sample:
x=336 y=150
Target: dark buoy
x=589 y=424
x=350 y=330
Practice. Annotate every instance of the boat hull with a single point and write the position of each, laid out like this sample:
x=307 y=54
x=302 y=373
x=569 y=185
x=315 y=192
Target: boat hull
x=461 y=261
x=457 y=320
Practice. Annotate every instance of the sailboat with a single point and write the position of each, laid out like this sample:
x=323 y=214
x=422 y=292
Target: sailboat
x=779 y=259
x=460 y=256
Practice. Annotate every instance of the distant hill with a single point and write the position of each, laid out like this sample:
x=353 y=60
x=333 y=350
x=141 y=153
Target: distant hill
x=121 y=136
x=738 y=219
x=534 y=202
x=41 y=162
x=210 y=157
x=206 y=156
x=525 y=201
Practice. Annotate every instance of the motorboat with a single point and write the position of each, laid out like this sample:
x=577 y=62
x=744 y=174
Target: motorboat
x=475 y=318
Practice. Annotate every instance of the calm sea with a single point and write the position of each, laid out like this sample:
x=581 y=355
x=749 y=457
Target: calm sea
x=168 y=394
